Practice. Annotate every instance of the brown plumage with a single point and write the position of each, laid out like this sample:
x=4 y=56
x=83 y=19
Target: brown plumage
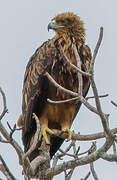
x=37 y=88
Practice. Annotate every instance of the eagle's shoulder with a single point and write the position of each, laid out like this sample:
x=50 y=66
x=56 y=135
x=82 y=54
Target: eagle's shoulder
x=40 y=62
x=37 y=57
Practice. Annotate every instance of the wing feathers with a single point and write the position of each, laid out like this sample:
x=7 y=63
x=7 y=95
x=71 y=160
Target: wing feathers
x=37 y=87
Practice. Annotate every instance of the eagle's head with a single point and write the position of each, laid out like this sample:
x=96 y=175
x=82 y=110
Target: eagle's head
x=68 y=23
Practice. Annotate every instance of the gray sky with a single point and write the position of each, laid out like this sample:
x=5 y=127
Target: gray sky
x=23 y=27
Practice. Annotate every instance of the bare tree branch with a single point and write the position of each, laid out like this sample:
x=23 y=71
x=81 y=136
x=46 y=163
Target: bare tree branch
x=87 y=176
x=2 y=140
x=108 y=157
x=82 y=99
x=5 y=110
x=78 y=60
x=92 y=97
x=42 y=162
x=77 y=69
x=114 y=103
x=59 y=86
x=114 y=148
x=73 y=99
x=103 y=117
x=96 y=50
x=82 y=161
x=13 y=129
x=93 y=171
x=5 y=170
x=79 y=137
x=63 y=101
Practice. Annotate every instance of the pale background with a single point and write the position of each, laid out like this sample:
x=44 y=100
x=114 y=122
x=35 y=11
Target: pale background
x=23 y=27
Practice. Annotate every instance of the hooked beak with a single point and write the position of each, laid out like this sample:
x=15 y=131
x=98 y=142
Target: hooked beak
x=51 y=25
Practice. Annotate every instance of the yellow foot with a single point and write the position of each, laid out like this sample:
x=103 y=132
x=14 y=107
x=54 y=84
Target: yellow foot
x=43 y=132
x=67 y=130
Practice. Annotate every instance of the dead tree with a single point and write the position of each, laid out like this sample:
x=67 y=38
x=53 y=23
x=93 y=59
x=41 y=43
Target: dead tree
x=40 y=168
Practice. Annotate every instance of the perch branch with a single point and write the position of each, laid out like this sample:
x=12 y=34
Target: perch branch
x=79 y=137
x=82 y=161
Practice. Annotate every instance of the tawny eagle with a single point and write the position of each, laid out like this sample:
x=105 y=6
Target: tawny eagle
x=37 y=88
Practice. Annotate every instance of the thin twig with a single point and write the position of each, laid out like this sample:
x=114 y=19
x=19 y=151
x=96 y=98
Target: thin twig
x=78 y=60
x=59 y=86
x=93 y=171
x=5 y=110
x=63 y=101
x=114 y=148
x=5 y=170
x=89 y=106
x=103 y=117
x=63 y=153
x=55 y=160
x=82 y=99
x=6 y=135
x=13 y=142
x=12 y=129
x=3 y=141
x=96 y=49
x=70 y=174
x=87 y=176
x=114 y=103
x=92 y=97
x=92 y=148
x=73 y=66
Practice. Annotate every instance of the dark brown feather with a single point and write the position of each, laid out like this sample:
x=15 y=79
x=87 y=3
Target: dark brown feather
x=37 y=88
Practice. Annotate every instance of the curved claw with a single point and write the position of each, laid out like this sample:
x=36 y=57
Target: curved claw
x=43 y=133
x=68 y=131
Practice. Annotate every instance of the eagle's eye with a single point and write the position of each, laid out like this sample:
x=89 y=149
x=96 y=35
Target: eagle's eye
x=66 y=21
x=63 y=21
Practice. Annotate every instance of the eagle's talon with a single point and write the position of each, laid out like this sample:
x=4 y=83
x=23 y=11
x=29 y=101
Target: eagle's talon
x=67 y=130
x=43 y=133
